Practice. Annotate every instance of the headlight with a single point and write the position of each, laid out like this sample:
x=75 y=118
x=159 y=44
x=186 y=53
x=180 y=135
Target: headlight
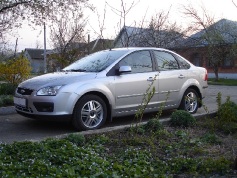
x=48 y=91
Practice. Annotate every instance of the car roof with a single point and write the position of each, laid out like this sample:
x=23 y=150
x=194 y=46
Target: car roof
x=140 y=48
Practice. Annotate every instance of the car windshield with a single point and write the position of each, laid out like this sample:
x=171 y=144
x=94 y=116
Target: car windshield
x=95 y=62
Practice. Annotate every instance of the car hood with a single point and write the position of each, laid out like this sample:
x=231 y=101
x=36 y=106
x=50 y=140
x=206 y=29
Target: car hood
x=57 y=78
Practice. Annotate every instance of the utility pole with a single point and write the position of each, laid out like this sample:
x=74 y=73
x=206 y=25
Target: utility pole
x=88 y=42
x=16 y=47
x=45 y=56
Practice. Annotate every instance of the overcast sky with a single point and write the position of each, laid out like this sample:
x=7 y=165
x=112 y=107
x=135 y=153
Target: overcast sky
x=28 y=38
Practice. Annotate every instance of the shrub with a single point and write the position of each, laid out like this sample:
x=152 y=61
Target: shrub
x=6 y=100
x=228 y=111
x=182 y=118
x=153 y=125
x=227 y=117
x=229 y=127
x=15 y=70
x=7 y=89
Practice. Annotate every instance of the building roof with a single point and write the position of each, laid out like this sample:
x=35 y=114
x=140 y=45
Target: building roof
x=222 y=32
x=35 y=53
x=142 y=37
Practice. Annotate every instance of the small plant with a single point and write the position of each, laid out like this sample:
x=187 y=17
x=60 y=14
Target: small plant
x=228 y=111
x=149 y=93
x=211 y=138
x=153 y=125
x=226 y=116
x=181 y=118
x=77 y=139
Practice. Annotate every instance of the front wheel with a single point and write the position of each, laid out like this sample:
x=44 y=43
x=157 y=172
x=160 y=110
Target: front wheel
x=190 y=101
x=90 y=113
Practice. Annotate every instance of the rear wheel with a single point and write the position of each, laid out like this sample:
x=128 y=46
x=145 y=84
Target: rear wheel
x=90 y=113
x=190 y=101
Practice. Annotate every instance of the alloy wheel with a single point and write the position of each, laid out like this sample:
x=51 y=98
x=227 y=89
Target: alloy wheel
x=92 y=114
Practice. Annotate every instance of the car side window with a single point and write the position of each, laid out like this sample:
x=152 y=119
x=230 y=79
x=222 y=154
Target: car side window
x=139 y=61
x=166 y=61
x=182 y=63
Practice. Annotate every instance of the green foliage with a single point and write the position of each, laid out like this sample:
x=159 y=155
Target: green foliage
x=7 y=89
x=15 y=70
x=77 y=139
x=115 y=154
x=226 y=119
x=6 y=100
x=210 y=165
x=211 y=138
x=228 y=111
x=180 y=118
x=51 y=158
x=153 y=125
x=145 y=101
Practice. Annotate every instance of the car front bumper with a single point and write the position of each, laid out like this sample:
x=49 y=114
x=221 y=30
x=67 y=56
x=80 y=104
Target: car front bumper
x=61 y=104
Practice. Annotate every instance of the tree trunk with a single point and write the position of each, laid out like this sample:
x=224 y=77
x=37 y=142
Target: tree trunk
x=216 y=73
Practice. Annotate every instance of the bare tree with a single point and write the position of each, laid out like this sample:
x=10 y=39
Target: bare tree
x=38 y=45
x=162 y=33
x=100 y=42
x=234 y=3
x=12 y=13
x=122 y=13
x=159 y=32
x=68 y=39
x=213 y=36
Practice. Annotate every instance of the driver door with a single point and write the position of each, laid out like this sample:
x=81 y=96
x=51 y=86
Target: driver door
x=131 y=87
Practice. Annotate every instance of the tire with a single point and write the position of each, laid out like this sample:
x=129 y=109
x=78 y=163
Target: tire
x=90 y=113
x=190 y=101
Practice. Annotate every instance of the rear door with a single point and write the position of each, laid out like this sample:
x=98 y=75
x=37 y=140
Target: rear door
x=171 y=78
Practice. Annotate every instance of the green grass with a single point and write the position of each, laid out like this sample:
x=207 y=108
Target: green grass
x=221 y=81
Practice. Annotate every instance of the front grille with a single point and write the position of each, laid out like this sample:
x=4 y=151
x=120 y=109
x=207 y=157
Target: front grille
x=24 y=91
x=22 y=108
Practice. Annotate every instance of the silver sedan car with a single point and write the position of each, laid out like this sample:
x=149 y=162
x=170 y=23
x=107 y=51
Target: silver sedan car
x=113 y=83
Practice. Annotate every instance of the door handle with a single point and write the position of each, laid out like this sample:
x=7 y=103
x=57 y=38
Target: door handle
x=181 y=76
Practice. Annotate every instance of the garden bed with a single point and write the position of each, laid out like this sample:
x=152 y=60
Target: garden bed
x=150 y=150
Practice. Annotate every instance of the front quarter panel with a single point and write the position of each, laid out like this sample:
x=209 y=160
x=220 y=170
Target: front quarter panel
x=99 y=85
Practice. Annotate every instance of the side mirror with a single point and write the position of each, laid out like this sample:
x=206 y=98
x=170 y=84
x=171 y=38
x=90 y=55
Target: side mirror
x=125 y=69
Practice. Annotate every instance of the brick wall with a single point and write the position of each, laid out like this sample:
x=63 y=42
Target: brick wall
x=195 y=54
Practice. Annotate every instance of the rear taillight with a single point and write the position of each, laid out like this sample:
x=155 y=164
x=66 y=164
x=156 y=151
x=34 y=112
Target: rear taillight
x=206 y=76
